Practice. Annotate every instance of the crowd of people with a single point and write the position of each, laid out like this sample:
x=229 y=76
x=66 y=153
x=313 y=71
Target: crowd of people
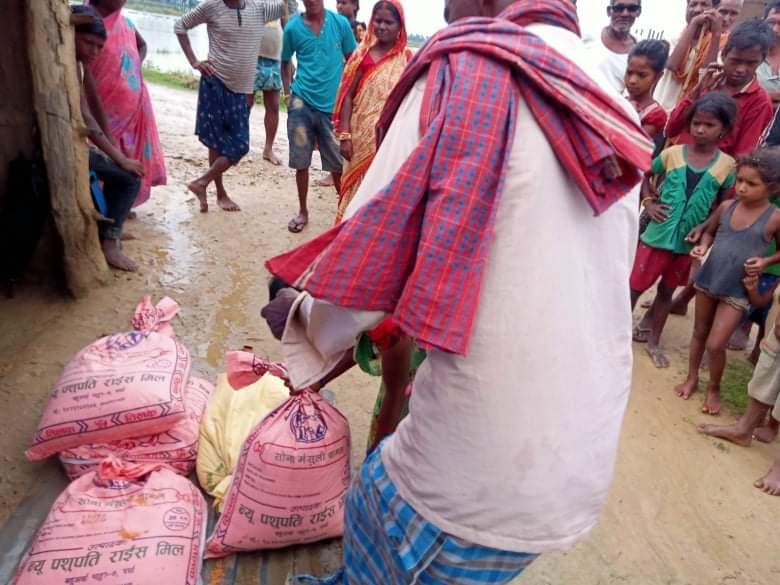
x=419 y=280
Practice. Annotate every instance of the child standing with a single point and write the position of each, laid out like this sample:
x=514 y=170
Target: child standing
x=693 y=176
x=727 y=283
x=646 y=64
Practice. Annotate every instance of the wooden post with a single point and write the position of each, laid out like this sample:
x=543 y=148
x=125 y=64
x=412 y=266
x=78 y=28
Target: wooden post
x=56 y=98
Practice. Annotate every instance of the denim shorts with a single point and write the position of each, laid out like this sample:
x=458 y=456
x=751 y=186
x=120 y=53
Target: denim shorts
x=307 y=128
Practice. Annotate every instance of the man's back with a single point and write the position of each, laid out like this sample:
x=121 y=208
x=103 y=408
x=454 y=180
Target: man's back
x=513 y=446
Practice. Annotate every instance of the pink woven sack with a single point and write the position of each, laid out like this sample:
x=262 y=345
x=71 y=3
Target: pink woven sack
x=125 y=385
x=122 y=525
x=176 y=448
x=290 y=481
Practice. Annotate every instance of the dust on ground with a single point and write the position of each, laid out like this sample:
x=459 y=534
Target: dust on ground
x=682 y=509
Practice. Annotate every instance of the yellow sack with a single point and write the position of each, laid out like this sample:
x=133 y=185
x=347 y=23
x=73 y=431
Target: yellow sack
x=230 y=417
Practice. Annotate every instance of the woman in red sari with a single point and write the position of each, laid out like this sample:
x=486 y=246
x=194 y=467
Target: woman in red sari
x=369 y=76
x=124 y=97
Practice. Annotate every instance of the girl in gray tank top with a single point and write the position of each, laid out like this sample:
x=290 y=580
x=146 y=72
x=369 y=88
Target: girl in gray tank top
x=727 y=283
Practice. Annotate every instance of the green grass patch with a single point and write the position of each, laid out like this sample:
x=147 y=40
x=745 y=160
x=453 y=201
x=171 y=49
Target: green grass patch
x=178 y=79
x=181 y=80
x=733 y=388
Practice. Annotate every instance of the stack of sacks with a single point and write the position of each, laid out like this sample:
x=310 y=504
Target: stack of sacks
x=123 y=524
x=289 y=483
x=231 y=416
x=129 y=396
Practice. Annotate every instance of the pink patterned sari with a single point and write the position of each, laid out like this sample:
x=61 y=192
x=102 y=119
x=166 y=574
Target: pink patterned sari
x=126 y=101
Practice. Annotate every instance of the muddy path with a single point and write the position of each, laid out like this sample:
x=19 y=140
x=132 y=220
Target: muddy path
x=682 y=510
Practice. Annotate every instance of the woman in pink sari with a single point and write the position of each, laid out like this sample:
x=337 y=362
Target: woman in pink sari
x=124 y=97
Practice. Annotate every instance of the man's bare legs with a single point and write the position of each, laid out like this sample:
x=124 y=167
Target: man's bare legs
x=705 y=315
x=218 y=166
x=300 y=221
x=743 y=431
x=271 y=121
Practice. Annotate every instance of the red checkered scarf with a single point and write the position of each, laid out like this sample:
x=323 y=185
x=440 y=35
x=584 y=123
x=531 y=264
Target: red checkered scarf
x=419 y=248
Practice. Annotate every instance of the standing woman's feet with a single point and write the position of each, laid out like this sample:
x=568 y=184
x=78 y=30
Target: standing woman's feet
x=298 y=222
x=770 y=483
x=115 y=258
x=198 y=189
x=711 y=404
x=687 y=388
x=325 y=181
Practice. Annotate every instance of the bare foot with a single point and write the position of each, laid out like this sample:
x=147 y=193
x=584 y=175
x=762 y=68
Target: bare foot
x=687 y=388
x=731 y=433
x=640 y=335
x=127 y=237
x=770 y=483
x=711 y=404
x=326 y=181
x=657 y=355
x=199 y=190
x=271 y=157
x=766 y=434
x=298 y=222
x=226 y=203
x=116 y=258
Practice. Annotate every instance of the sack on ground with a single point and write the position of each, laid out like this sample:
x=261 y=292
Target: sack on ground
x=121 y=525
x=125 y=385
x=230 y=416
x=288 y=487
x=176 y=448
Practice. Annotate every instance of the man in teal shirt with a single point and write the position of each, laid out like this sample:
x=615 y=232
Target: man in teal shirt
x=321 y=41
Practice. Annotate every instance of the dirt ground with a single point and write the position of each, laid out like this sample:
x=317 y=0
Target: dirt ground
x=682 y=509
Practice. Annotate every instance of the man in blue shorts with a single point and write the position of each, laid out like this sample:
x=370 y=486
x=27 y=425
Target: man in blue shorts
x=321 y=41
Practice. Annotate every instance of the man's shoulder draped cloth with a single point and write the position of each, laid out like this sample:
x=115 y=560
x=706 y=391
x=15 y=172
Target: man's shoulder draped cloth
x=419 y=248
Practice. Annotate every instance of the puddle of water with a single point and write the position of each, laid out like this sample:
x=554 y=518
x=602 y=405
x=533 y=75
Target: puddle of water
x=231 y=311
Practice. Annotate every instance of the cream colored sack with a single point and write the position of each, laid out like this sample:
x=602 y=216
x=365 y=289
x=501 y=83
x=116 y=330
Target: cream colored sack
x=230 y=416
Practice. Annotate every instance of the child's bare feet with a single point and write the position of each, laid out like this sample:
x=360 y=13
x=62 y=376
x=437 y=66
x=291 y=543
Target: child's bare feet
x=640 y=335
x=199 y=190
x=687 y=388
x=657 y=355
x=766 y=434
x=711 y=404
x=127 y=237
x=226 y=203
x=732 y=433
x=770 y=483
x=115 y=258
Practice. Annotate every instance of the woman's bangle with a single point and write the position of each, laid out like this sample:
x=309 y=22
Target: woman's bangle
x=645 y=200
x=344 y=136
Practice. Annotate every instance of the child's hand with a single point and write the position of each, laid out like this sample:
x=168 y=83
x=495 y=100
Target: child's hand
x=694 y=235
x=657 y=212
x=699 y=252
x=755 y=266
x=751 y=283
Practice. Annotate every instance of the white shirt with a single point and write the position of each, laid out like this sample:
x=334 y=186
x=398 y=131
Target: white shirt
x=612 y=65
x=513 y=446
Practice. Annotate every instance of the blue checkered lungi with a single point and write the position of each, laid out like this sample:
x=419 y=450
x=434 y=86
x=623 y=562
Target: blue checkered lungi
x=386 y=542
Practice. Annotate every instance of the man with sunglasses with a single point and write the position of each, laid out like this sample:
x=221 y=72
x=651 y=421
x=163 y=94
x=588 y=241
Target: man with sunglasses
x=611 y=49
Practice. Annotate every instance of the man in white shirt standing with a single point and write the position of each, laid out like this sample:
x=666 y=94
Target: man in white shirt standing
x=614 y=44
x=510 y=443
